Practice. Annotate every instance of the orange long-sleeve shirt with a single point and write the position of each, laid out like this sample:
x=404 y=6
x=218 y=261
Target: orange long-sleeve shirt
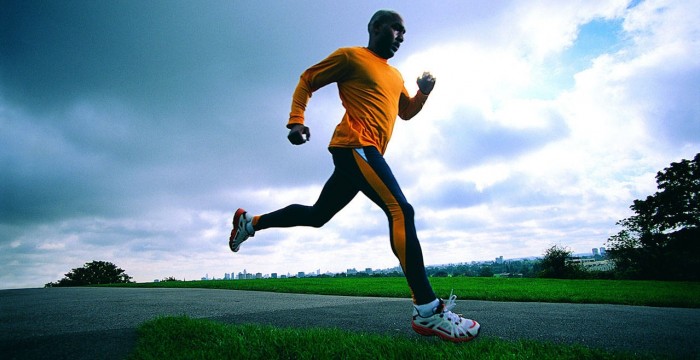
x=372 y=93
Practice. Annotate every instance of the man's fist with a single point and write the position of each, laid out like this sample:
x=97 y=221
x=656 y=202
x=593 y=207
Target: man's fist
x=297 y=133
x=426 y=83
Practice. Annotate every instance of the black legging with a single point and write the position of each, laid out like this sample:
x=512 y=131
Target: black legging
x=364 y=170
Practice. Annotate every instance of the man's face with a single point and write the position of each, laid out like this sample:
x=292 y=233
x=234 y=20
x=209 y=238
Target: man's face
x=389 y=36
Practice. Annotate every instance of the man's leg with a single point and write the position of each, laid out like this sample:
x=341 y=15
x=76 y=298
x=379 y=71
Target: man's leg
x=336 y=194
x=375 y=179
x=431 y=316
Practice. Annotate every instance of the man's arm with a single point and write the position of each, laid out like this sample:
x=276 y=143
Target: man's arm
x=331 y=69
x=409 y=107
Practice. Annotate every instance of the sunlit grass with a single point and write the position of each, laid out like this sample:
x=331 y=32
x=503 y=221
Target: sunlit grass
x=646 y=293
x=175 y=338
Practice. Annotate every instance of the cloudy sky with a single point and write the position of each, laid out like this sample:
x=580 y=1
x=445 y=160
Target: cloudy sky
x=130 y=131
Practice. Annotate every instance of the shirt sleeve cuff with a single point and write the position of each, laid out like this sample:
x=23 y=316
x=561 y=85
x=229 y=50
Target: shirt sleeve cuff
x=294 y=120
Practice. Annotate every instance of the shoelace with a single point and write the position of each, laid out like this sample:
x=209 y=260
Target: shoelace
x=450 y=303
x=448 y=306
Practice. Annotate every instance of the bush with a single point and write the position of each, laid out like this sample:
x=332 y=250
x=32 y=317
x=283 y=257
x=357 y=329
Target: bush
x=95 y=272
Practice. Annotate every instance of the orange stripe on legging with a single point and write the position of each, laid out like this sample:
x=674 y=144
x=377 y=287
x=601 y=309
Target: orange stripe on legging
x=398 y=226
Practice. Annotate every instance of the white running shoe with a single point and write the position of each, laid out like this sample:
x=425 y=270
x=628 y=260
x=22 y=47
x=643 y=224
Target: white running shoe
x=445 y=324
x=240 y=232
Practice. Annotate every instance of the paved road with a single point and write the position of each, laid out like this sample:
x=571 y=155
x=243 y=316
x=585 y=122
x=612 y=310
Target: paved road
x=91 y=323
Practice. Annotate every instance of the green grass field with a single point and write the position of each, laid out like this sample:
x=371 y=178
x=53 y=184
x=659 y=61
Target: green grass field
x=175 y=338
x=185 y=338
x=645 y=293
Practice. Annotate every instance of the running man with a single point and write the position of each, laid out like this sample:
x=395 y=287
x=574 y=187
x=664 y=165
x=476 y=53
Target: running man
x=373 y=95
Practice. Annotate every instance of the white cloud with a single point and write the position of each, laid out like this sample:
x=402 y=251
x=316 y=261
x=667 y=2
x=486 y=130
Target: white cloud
x=514 y=151
x=540 y=29
x=51 y=246
x=587 y=178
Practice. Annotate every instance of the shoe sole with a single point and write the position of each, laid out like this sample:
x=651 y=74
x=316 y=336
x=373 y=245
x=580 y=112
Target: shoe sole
x=430 y=332
x=236 y=221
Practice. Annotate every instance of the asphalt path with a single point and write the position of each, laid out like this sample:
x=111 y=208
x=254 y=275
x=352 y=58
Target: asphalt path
x=100 y=323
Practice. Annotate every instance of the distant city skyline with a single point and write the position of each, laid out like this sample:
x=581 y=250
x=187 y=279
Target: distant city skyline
x=498 y=260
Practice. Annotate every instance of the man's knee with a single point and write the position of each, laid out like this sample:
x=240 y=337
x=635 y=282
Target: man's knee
x=403 y=209
x=318 y=220
x=317 y=223
x=407 y=210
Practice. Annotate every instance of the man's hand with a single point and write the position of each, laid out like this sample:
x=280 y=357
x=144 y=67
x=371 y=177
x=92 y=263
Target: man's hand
x=426 y=83
x=297 y=132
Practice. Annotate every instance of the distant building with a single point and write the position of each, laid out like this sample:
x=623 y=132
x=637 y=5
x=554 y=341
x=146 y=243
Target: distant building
x=301 y=274
x=603 y=265
x=595 y=251
x=273 y=275
x=594 y=265
x=368 y=271
x=258 y=275
x=227 y=276
x=499 y=260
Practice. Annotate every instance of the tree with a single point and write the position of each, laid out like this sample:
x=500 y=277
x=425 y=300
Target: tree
x=556 y=264
x=486 y=271
x=662 y=239
x=95 y=272
x=441 y=273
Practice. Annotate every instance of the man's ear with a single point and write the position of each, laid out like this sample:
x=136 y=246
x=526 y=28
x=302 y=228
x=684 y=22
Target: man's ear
x=374 y=29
